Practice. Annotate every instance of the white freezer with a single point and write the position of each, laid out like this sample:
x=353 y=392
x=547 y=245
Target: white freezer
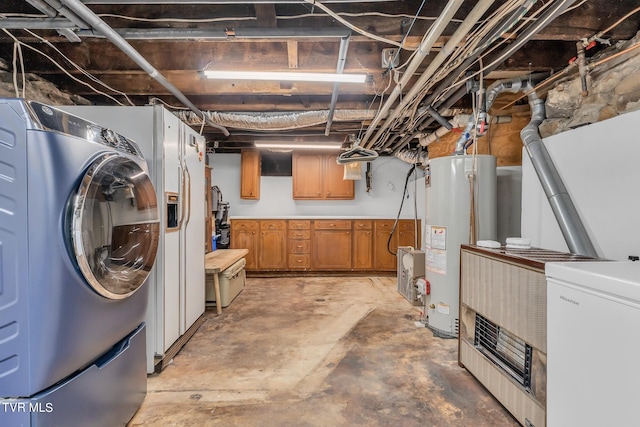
x=593 y=343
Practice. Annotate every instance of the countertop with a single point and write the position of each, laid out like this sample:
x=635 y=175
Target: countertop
x=313 y=217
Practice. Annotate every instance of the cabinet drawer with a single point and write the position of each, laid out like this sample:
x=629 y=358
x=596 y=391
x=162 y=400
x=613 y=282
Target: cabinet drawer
x=360 y=224
x=299 y=224
x=384 y=224
x=299 y=234
x=299 y=261
x=328 y=224
x=273 y=225
x=406 y=225
x=299 y=246
x=240 y=224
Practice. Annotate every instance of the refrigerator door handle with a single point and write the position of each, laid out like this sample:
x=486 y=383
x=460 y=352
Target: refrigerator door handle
x=181 y=174
x=188 y=185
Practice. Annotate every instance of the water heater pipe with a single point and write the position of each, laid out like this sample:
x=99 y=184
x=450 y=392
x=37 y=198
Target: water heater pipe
x=571 y=225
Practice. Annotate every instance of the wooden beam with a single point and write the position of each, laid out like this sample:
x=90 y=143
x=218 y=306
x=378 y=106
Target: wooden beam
x=292 y=50
x=266 y=15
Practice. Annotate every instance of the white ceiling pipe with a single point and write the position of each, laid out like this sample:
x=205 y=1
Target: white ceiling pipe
x=470 y=21
x=423 y=50
x=97 y=23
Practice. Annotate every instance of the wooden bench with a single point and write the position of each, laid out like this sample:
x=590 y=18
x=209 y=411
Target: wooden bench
x=218 y=261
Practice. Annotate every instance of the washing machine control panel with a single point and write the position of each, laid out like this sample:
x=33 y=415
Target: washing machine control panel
x=52 y=119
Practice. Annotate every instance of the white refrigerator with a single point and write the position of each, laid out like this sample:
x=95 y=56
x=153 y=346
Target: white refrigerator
x=175 y=155
x=593 y=343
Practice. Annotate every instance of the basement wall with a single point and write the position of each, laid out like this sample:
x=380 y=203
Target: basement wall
x=276 y=193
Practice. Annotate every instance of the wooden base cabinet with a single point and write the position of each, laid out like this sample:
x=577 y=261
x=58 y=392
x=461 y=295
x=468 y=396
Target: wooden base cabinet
x=331 y=245
x=321 y=244
x=272 y=247
x=382 y=259
x=362 y=245
x=299 y=245
x=245 y=235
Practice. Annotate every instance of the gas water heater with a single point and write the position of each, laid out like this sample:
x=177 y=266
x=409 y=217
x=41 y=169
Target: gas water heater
x=460 y=191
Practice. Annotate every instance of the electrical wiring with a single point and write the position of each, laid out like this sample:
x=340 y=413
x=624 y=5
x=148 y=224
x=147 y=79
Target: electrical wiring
x=24 y=75
x=173 y=107
x=54 y=62
x=17 y=54
x=351 y=26
x=460 y=81
x=77 y=67
x=481 y=30
x=15 y=69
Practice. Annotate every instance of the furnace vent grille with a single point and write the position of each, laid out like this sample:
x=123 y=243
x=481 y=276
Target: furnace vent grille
x=504 y=349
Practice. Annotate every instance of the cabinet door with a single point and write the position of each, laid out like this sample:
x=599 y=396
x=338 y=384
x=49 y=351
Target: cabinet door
x=407 y=233
x=307 y=176
x=273 y=245
x=382 y=259
x=335 y=187
x=331 y=250
x=250 y=175
x=246 y=239
x=362 y=249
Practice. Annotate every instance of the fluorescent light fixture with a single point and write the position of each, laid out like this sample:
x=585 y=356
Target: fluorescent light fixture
x=285 y=76
x=297 y=146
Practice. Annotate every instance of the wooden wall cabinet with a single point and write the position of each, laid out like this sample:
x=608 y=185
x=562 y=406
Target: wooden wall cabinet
x=362 y=244
x=250 y=174
x=331 y=245
x=272 y=247
x=299 y=257
x=245 y=235
x=319 y=177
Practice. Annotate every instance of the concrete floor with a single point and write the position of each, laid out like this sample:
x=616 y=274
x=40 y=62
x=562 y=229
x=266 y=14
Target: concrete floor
x=331 y=351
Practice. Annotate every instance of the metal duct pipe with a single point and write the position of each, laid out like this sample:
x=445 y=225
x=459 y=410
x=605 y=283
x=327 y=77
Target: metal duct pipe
x=342 y=59
x=513 y=85
x=464 y=28
x=62 y=9
x=275 y=121
x=44 y=7
x=420 y=54
x=563 y=208
x=95 y=22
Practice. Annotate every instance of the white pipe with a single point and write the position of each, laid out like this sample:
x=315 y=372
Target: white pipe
x=464 y=28
x=82 y=11
x=423 y=50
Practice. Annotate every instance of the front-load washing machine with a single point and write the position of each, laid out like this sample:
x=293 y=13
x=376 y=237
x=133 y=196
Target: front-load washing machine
x=79 y=230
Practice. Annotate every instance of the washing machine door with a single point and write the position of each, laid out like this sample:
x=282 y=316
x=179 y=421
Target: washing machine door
x=115 y=226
